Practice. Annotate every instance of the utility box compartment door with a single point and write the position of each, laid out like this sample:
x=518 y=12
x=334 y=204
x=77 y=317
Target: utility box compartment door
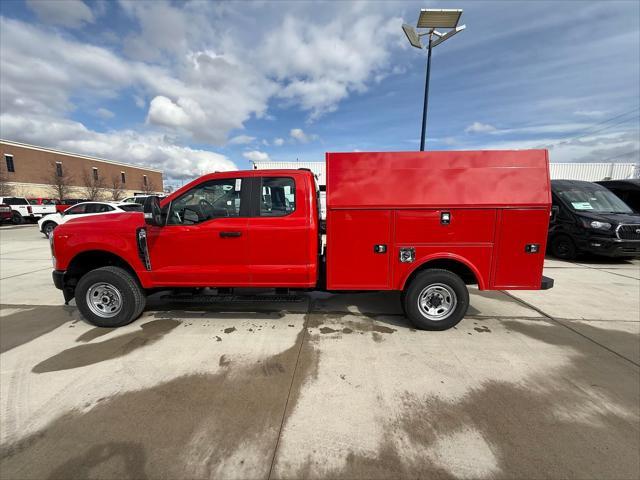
x=355 y=240
x=517 y=267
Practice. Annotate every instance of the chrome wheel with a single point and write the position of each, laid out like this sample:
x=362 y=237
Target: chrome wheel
x=437 y=301
x=104 y=300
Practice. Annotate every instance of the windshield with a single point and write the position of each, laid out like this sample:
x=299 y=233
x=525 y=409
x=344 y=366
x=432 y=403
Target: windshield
x=132 y=207
x=591 y=199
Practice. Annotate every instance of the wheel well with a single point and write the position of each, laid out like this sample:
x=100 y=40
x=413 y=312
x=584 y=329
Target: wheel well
x=87 y=261
x=454 y=266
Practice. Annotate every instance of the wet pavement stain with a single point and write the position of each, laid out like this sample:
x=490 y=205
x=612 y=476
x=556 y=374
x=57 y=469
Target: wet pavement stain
x=24 y=326
x=230 y=330
x=94 y=333
x=482 y=329
x=595 y=436
x=119 y=346
x=218 y=339
x=326 y=330
x=224 y=361
x=187 y=427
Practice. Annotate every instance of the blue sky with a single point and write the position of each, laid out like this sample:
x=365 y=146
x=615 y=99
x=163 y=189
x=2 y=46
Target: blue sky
x=197 y=86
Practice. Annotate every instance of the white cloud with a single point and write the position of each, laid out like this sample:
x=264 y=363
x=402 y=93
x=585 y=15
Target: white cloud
x=590 y=113
x=278 y=142
x=477 y=127
x=67 y=13
x=256 y=156
x=299 y=135
x=139 y=101
x=241 y=140
x=320 y=64
x=104 y=113
x=152 y=149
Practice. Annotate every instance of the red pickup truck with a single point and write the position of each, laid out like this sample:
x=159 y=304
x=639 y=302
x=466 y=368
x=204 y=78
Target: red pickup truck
x=424 y=224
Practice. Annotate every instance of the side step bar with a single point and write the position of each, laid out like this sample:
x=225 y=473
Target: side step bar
x=215 y=299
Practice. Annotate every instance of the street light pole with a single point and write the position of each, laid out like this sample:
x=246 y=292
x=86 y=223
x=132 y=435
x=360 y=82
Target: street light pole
x=426 y=98
x=431 y=19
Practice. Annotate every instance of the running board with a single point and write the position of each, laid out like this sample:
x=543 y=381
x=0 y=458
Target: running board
x=217 y=299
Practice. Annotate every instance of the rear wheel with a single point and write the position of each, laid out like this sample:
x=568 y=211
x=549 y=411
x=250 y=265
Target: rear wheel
x=16 y=218
x=47 y=228
x=563 y=247
x=436 y=300
x=109 y=297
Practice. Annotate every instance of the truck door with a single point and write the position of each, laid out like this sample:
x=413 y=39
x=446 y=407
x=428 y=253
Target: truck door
x=204 y=242
x=282 y=242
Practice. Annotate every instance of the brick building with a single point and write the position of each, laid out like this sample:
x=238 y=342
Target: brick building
x=31 y=171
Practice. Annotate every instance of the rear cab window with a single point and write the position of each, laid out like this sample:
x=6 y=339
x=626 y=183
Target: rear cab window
x=277 y=196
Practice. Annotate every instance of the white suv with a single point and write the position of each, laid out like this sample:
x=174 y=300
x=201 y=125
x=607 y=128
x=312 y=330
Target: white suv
x=50 y=222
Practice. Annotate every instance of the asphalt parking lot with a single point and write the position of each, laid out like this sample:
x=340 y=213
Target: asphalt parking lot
x=529 y=385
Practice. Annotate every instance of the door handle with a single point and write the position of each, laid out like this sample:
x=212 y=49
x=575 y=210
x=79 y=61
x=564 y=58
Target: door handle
x=230 y=234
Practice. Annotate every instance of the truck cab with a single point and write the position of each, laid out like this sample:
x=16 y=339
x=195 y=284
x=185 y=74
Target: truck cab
x=394 y=230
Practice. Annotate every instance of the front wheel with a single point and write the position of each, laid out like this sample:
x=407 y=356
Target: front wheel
x=16 y=218
x=47 y=228
x=436 y=300
x=109 y=297
x=563 y=247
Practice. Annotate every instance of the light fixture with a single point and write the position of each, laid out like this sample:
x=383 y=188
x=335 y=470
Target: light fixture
x=431 y=19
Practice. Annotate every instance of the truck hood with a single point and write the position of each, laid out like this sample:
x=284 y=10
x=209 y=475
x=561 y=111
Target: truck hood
x=106 y=224
x=613 y=218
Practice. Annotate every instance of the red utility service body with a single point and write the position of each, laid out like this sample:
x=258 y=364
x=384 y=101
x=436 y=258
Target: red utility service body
x=498 y=203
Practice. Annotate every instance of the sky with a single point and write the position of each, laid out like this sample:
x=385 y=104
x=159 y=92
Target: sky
x=198 y=86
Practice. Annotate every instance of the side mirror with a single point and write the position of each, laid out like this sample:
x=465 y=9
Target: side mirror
x=555 y=209
x=152 y=211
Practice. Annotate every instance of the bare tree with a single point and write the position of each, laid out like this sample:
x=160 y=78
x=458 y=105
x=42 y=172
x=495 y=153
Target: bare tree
x=116 y=188
x=5 y=189
x=93 y=185
x=59 y=181
x=147 y=186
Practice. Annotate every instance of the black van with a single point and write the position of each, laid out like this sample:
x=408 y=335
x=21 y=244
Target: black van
x=587 y=217
x=626 y=190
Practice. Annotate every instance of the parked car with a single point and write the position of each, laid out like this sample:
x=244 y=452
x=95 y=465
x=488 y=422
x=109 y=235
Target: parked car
x=139 y=199
x=626 y=190
x=587 y=217
x=424 y=224
x=5 y=213
x=87 y=209
x=42 y=206
x=20 y=209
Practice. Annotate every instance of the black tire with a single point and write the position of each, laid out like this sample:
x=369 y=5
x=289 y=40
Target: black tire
x=16 y=218
x=132 y=297
x=444 y=283
x=563 y=247
x=48 y=227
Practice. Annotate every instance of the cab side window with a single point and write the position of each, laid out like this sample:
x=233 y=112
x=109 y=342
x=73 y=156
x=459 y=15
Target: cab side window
x=277 y=197
x=209 y=200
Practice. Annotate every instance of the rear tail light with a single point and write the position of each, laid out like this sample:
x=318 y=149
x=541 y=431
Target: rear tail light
x=29 y=209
